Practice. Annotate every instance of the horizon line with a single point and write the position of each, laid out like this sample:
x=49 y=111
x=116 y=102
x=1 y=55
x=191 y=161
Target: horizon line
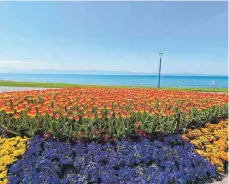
x=131 y=74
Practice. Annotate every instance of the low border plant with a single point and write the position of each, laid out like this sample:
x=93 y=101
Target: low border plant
x=170 y=160
x=11 y=149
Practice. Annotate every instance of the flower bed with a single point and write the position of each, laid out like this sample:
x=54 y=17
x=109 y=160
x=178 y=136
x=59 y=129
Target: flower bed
x=10 y=150
x=211 y=142
x=111 y=112
x=171 y=160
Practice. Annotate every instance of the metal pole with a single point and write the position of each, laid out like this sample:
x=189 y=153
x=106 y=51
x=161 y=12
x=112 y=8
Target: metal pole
x=159 y=80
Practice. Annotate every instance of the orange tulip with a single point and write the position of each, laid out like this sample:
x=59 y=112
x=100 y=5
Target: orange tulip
x=57 y=116
x=16 y=116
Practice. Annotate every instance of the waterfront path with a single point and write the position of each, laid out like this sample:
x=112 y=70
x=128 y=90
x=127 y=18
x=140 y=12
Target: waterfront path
x=11 y=88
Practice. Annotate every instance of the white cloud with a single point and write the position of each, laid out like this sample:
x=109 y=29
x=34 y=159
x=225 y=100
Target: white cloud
x=31 y=65
x=147 y=64
x=24 y=65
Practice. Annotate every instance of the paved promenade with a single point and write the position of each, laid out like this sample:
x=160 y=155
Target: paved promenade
x=10 y=88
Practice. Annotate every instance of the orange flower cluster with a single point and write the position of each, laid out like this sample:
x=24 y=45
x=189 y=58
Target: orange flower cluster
x=121 y=101
x=211 y=142
x=92 y=105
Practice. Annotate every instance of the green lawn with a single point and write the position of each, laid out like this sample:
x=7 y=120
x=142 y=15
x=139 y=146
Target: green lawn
x=62 y=85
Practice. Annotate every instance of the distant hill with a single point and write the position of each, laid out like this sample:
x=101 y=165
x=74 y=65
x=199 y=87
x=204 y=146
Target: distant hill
x=52 y=71
x=93 y=72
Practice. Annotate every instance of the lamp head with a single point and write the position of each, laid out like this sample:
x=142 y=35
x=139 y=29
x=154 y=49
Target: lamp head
x=160 y=54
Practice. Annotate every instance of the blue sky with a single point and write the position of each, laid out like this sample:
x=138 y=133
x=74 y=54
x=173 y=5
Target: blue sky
x=116 y=36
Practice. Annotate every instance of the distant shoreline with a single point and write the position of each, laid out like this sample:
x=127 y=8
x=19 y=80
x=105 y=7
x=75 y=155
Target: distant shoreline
x=91 y=74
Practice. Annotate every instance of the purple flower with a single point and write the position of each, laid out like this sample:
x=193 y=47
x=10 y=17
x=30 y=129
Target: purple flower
x=171 y=160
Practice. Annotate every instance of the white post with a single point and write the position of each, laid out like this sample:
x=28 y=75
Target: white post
x=213 y=84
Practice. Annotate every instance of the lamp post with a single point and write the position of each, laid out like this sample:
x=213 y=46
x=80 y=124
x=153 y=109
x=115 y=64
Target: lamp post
x=159 y=79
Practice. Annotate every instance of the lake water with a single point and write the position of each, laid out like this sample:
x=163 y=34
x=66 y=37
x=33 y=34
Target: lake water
x=123 y=80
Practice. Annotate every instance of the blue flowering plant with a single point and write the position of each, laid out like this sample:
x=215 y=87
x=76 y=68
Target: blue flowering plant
x=170 y=160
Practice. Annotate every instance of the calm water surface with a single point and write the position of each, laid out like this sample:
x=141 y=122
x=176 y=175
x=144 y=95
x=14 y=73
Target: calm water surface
x=123 y=80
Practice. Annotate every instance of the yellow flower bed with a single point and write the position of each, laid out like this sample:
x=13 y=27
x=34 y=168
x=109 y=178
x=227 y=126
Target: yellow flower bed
x=211 y=142
x=10 y=150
